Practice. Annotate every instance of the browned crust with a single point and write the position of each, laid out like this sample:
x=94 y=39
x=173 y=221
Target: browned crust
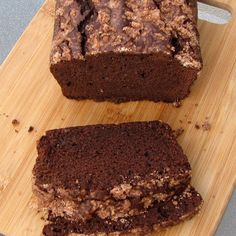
x=92 y=27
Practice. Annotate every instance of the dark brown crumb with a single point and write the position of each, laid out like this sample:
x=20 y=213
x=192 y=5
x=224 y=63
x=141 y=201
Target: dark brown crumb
x=196 y=105
x=189 y=122
x=197 y=126
x=31 y=129
x=62 y=119
x=17 y=131
x=180 y=121
x=177 y=104
x=43 y=218
x=15 y=122
x=206 y=126
x=178 y=132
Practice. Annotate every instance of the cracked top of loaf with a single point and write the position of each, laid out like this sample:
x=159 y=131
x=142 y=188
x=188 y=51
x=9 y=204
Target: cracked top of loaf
x=90 y=27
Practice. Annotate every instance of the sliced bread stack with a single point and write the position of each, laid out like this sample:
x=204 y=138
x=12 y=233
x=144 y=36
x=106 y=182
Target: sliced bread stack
x=131 y=178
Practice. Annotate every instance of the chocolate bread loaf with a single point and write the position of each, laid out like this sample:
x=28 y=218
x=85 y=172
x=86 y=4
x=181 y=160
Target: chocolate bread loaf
x=181 y=207
x=108 y=171
x=123 y=50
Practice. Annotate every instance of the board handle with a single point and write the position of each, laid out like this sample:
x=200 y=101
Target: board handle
x=224 y=4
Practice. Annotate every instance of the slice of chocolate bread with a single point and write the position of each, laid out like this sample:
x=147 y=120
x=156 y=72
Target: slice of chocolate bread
x=181 y=207
x=126 y=50
x=110 y=171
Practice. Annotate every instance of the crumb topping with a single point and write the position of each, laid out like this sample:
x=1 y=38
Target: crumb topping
x=86 y=28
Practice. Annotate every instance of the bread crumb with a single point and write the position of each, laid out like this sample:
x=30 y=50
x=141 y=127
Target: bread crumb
x=189 y=122
x=206 y=126
x=17 y=131
x=31 y=129
x=196 y=105
x=178 y=132
x=197 y=126
x=175 y=203
x=15 y=122
x=177 y=104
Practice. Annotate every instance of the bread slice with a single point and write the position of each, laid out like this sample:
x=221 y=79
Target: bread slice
x=111 y=171
x=181 y=207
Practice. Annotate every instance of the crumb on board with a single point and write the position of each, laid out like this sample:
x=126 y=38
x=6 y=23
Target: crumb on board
x=180 y=121
x=31 y=129
x=17 y=131
x=177 y=104
x=196 y=104
x=189 y=122
x=178 y=132
x=15 y=122
x=206 y=126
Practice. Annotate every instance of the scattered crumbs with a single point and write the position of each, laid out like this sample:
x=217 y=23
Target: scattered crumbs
x=43 y=218
x=206 y=126
x=178 y=132
x=15 y=122
x=189 y=122
x=177 y=104
x=197 y=126
x=4 y=114
x=31 y=129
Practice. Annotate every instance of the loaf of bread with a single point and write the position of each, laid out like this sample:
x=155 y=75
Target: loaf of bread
x=124 y=50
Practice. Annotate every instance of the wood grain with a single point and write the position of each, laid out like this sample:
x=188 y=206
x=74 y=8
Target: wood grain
x=29 y=93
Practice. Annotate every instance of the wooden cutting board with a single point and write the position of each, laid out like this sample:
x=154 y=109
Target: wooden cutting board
x=29 y=93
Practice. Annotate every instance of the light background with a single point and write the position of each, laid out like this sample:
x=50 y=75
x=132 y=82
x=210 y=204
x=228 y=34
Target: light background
x=15 y=15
